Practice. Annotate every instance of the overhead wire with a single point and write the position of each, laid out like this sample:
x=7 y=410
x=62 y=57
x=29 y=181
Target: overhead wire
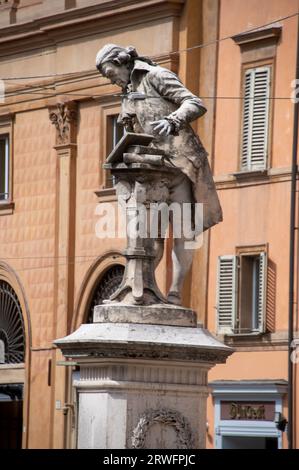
x=68 y=74
x=187 y=49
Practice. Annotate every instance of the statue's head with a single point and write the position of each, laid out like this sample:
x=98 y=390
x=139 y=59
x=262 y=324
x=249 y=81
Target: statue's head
x=116 y=63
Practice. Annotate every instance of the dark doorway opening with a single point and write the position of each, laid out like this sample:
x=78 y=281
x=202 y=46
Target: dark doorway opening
x=11 y=424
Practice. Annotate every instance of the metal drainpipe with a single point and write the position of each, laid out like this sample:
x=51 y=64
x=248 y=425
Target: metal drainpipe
x=292 y=260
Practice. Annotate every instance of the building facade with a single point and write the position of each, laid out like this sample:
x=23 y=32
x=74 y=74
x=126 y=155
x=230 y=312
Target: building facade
x=248 y=266
x=57 y=125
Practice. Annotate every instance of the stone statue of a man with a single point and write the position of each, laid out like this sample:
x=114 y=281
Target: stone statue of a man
x=156 y=102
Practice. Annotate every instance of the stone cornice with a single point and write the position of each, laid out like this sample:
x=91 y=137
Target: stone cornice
x=81 y=22
x=268 y=34
x=142 y=341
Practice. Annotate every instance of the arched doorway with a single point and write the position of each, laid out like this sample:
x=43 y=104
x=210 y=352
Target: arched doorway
x=12 y=354
x=105 y=287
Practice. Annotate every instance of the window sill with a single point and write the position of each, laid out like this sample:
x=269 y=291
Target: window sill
x=258 y=342
x=243 y=335
x=106 y=194
x=252 y=178
x=6 y=207
x=240 y=339
x=250 y=174
x=10 y=366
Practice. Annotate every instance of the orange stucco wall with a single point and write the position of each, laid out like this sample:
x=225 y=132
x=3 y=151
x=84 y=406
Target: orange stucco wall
x=253 y=213
x=27 y=246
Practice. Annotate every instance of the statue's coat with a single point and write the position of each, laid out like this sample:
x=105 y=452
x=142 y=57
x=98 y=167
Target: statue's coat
x=166 y=96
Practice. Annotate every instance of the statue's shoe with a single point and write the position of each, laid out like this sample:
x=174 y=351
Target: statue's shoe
x=174 y=298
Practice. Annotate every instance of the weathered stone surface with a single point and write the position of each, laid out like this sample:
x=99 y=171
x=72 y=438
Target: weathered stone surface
x=158 y=314
x=157 y=106
x=144 y=341
x=142 y=386
x=141 y=184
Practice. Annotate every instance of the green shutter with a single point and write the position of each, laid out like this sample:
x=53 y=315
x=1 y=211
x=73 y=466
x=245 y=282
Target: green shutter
x=255 y=119
x=262 y=291
x=227 y=293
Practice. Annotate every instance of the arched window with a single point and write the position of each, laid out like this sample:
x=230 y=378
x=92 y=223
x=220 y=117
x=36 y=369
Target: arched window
x=12 y=330
x=106 y=286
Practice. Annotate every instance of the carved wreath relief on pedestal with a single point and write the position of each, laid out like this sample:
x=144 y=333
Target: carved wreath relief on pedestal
x=184 y=437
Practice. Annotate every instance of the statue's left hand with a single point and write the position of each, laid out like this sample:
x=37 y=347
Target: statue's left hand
x=162 y=127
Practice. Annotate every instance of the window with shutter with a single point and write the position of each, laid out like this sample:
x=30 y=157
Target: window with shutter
x=250 y=317
x=241 y=293
x=227 y=293
x=255 y=118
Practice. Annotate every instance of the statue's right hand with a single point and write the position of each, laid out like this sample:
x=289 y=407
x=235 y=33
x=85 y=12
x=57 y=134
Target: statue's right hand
x=162 y=127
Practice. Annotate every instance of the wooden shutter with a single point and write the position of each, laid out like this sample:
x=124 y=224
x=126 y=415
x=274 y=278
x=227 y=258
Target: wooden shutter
x=262 y=291
x=256 y=118
x=227 y=285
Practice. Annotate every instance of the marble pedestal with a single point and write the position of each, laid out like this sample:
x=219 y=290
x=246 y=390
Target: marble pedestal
x=142 y=385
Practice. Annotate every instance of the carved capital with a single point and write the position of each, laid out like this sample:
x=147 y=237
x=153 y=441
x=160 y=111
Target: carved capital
x=64 y=117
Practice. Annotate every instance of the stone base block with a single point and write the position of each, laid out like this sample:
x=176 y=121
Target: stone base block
x=159 y=314
x=141 y=404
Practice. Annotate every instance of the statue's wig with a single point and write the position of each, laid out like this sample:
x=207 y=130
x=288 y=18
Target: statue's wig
x=119 y=56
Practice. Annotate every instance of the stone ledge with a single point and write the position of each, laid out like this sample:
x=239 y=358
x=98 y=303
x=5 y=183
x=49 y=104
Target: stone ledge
x=62 y=26
x=150 y=388
x=269 y=34
x=132 y=340
x=146 y=372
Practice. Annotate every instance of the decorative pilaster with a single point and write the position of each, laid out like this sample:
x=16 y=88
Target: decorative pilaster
x=64 y=118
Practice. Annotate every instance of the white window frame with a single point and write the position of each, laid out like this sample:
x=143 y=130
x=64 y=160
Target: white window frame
x=113 y=122
x=114 y=119
x=245 y=391
x=6 y=194
x=228 y=292
x=262 y=292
